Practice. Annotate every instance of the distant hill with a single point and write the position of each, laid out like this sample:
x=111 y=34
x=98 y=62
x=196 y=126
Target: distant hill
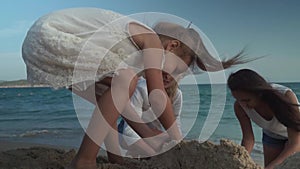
x=17 y=83
x=22 y=82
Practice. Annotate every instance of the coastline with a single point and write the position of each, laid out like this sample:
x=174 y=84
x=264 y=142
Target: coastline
x=22 y=83
x=24 y=86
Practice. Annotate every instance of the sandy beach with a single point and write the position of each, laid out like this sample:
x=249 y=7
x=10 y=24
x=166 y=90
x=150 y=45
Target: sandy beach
x=188 y=154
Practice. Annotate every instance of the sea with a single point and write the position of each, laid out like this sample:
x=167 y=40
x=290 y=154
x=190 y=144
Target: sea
x=43 y=115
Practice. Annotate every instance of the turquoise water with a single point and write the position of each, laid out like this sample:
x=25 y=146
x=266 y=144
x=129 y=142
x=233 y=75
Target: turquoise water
x=47 y=116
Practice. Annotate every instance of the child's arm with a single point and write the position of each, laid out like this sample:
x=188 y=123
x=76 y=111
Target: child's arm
x=245 y=123
x=177 y=106
x=134 y=113
x=293 y=144
x=153 y=58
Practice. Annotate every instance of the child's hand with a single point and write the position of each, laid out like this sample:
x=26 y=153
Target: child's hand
x=158 y=140
x=156 y=132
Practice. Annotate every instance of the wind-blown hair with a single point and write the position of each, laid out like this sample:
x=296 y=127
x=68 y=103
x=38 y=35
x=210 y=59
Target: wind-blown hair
x=192 y=44
x=249 y=81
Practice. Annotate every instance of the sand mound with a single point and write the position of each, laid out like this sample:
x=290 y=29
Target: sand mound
x=35 y=158
x=207 y=155
x=188 y=154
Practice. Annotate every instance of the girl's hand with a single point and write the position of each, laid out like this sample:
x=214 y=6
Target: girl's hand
x=156 y=132
x=158 y=139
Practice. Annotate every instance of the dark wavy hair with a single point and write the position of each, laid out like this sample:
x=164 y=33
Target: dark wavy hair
x=249 y=81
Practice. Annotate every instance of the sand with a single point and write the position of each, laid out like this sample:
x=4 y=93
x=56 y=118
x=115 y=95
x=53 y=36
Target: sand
x=186 y=155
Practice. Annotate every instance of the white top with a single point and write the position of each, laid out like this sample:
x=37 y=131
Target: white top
x=140 y=103
x=272 y=126
x=79 y=45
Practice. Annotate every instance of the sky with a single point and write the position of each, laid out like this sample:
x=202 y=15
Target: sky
x=268 y=28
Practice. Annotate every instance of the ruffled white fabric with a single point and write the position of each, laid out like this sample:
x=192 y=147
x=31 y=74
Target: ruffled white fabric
x=78 y=45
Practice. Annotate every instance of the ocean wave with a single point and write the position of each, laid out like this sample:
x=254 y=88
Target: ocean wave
x=33 y=133
x=258 y=148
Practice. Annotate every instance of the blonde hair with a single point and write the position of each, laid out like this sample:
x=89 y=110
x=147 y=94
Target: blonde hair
x=172 y=90
x=192 y=45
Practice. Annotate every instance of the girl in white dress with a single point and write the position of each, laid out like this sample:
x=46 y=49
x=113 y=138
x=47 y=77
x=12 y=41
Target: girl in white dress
x=274 y=108
x=98 y=54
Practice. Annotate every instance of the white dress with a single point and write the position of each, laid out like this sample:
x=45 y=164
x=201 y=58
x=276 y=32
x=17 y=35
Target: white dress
x=79 y=45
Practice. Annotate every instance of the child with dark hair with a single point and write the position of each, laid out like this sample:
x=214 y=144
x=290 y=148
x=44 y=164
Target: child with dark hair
x=274 y=108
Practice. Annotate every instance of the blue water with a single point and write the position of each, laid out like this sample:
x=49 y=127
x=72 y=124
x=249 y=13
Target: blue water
x=38 y=115
x=47 y=116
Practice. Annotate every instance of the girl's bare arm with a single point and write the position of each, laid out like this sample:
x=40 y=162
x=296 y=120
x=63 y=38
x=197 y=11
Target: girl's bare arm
x=248 y=136
x=152 y=48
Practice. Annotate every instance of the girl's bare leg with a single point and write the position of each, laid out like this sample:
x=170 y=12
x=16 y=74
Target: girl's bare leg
x=112 y=144
x=104 y=116
x=270 y=153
